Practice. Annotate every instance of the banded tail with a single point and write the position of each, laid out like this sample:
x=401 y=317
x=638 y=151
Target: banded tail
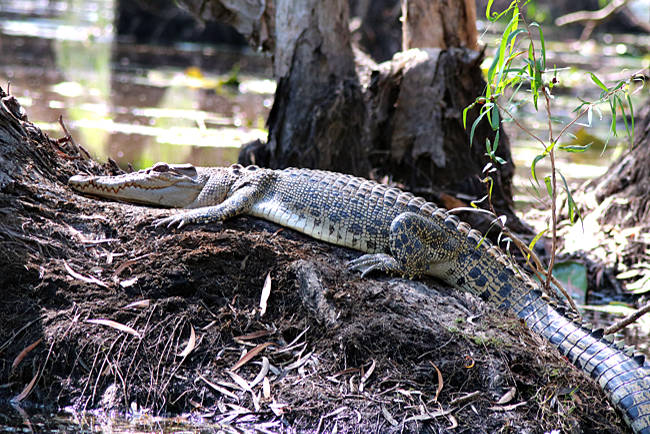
x=624 y=378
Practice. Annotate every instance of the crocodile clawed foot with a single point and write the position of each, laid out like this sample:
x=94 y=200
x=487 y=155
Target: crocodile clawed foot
x=375 y=261
x=177 y=220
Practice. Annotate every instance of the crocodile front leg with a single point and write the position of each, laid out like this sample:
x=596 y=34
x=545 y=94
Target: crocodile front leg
x=238 y=203
x=418 y=245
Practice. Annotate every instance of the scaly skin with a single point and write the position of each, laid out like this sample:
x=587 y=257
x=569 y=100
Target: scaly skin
x=399 y=233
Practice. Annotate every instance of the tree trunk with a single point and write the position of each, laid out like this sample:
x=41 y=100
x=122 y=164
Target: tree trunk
x=440 y=24
x=629 y=179
x=615 y=223
x=402 y=117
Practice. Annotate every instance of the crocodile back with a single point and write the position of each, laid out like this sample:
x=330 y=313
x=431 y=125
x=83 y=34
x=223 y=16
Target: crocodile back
x=341 y=209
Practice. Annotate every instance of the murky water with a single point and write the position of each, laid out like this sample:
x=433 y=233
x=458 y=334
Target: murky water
x=135 y=103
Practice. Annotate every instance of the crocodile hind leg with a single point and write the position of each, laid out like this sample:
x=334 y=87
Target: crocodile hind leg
x=418 y=245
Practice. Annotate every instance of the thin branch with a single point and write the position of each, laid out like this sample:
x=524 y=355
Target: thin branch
x=621 y=324
x=523 y=128
x=595 y=16
x=551 y=261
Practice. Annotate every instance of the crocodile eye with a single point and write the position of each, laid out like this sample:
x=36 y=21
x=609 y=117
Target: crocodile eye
x=160 y=167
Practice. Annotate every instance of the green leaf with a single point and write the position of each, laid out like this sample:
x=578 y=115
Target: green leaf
x=476 y=122
x=575 y=148
x=493 y=67
x=496 y=15
x=541 y=38
x=622 y=107
x=511 y=37
x=506 y=41
x=487 y=9
x=515 y=92
x=574 y=214
x=612 y=106
x=549 y=186
x=474 y=203
x=465 y=113
x=532 y=166
x=533 y=73
x=534 y=241
x=629 y=104
x=598 y=82
x=495 y=118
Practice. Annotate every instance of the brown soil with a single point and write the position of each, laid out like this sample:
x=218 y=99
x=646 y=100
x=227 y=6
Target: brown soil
x=340 y=352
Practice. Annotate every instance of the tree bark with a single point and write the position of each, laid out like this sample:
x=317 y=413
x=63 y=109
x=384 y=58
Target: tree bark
x=629 y=179
x=440 y=24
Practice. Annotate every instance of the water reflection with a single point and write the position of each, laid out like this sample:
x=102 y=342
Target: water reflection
x=134 y=103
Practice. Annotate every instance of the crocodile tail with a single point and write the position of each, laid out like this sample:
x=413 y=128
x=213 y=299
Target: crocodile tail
x=624 y=378
x=488 y=272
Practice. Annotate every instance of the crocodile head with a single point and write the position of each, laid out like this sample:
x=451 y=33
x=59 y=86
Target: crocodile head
x=168 y=185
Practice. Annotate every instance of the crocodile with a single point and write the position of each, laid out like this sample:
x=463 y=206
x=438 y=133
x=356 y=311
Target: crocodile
x=398 y=233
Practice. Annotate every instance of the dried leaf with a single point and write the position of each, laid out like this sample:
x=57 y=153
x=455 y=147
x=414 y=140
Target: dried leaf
x=249 y=355
x=388 y=416
x=26 y=391
x=141 y=304
x=115 y=325
x=507 y=397
x=263 y=371
x=366 y=376
x=509 y=407
x=82 y=277
x=19 y=358
x=277 y=408
x=441 y=383
x=298 y=363
x=266 y=291
x=266 y=388
x=243 y=384
x=219 y=389
x=191 y=343
x=129 y=282
x=254 y=335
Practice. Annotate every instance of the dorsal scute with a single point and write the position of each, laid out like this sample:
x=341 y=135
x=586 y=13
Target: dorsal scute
x=428 y=208
x=474 y=236
x=640 y=359
x=598 y=333
x=440 y=213
x=493 y=250
x=464 y=228
x=451 y=221
x=416 y=203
